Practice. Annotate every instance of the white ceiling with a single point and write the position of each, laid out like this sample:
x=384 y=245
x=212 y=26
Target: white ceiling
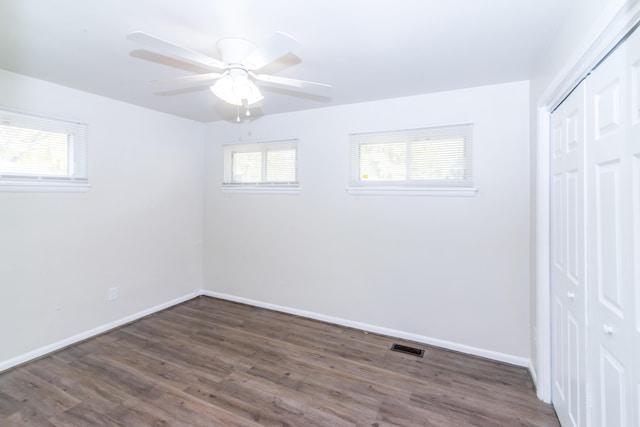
x=366 y=49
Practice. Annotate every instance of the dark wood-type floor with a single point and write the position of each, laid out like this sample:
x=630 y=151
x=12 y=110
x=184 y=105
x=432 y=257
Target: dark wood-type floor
x=216 y=363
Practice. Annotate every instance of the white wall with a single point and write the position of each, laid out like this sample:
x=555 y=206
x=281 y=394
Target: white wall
x=139 y=227
x=448 y=269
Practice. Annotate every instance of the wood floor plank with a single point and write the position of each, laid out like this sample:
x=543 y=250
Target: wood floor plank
x=27 y=416
x=81 y=416
x=90 y=390
x=218 y=363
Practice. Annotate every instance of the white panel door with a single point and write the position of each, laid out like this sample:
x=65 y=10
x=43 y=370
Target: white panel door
x=613 y=181
x=632 y=53
x=568 y=260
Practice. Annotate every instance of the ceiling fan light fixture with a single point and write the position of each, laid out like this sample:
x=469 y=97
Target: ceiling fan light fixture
x=237 y=89
x=234 y=72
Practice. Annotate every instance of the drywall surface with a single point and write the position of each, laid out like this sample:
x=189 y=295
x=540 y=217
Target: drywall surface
x=139 y=228
x=454 y=269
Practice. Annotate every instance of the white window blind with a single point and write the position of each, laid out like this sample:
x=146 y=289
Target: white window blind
x=272 y=164
x=37 y=150
x=426 y=157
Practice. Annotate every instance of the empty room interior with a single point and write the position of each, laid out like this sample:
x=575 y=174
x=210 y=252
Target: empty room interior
x=320 y=213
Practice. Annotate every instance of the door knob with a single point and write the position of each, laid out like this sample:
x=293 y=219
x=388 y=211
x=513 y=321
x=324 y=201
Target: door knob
x=571 y=295
x=607 y=329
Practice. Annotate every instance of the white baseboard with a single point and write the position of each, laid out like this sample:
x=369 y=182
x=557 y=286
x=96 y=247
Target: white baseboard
x=23 y=358
x=536 y=384
x=532 y=372
x=534 y=377
x=488 y=354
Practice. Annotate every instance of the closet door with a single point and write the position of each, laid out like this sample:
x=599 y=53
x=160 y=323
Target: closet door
x=633 y=142
x=568 y=260
x=613 y=180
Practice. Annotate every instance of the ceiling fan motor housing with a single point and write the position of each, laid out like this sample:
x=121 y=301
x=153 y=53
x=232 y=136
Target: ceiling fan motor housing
x=234 y=50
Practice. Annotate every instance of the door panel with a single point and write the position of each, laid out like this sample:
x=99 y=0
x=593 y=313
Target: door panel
x=568 y=252
x=608 y=238
x=633 y=143
x=574 y=135
x=612 y=394
x=636 y=250
x=558 y=221
x=607 y=109
x=573 y=362
x=635 y=91
x=559 y=365
x=612 y=107
x=573 y=227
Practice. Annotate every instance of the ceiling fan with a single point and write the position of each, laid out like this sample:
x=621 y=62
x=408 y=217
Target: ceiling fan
x=233 y=77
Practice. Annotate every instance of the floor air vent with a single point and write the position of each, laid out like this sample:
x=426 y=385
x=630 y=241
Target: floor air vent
x=408 y=350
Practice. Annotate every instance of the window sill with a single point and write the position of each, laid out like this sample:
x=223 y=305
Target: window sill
x=261 y=190
x=43 y=187
x=408 y=191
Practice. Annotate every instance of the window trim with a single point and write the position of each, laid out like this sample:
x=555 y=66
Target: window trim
x=415 y=191
x=17 y=186
x=77 y=181
x=264 y=187
x=259 y=190
x=457 y=188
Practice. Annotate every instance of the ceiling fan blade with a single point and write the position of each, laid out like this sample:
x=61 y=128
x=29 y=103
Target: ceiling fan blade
x=175 y=50
x=190 y=80
x=294 y=83
x=275 y=46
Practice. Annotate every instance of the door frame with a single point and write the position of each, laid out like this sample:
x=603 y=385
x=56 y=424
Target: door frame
x=615 y=22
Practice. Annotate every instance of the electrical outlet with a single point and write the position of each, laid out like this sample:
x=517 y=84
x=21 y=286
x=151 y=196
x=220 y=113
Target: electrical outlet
x=113 y=294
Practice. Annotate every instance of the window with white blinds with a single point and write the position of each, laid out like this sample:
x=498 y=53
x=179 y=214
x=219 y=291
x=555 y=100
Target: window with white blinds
x=45 y=153
x=434 y=157
x=261 y=166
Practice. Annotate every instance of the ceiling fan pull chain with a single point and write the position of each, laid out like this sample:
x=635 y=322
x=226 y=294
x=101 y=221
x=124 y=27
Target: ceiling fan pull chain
x=245 y=104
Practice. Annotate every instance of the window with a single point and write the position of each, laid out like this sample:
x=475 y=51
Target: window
x=261 y=167
x=42 y=154
x=436 y=160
